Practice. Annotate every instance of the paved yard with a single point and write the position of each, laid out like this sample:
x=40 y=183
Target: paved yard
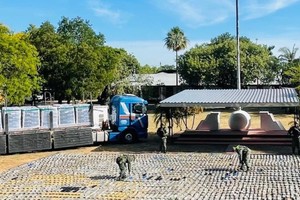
x=155 y=176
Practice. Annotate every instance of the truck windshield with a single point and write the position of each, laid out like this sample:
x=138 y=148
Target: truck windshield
x=139 y=108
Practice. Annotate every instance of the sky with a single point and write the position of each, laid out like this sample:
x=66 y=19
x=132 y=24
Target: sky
x=140 y=26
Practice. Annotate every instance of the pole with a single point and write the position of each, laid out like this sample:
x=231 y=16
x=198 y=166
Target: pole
x=176 y=63
x=238 y=47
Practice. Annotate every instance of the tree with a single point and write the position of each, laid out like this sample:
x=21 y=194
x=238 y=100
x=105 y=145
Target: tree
x=147 y=69
x=72 y=58
x=75 y=62
x=166 y=68
x=287 y=60
x=287 y=55
x=176 y=41
x=18 y=66
x=214 y=64
x=198 y=66
x=294 y=74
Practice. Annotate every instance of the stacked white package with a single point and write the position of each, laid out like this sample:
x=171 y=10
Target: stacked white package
x=48 y=114
x=83 y=114
x=30 y=117
x=13 y=115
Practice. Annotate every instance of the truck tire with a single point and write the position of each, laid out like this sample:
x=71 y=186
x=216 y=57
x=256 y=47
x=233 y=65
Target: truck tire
x=128 y=137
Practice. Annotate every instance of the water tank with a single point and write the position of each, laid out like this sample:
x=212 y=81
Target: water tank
x=239 y=120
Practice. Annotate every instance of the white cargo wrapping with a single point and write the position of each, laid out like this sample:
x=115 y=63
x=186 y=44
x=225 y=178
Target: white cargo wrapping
x=100 y=114
x=46 y=116
x=14 y=118
x=30 y=117
x=66 y=115
x=82 y=113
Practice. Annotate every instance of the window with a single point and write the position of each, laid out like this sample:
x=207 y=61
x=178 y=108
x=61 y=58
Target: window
x=139 y=108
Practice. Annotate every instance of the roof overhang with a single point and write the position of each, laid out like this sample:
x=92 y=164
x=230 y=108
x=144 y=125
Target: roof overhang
x=284 y=97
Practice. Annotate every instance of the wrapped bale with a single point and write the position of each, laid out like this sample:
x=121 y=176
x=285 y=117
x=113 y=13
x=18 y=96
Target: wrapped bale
x=13 y=116
x=28 y=141
x=30 y=117
x=46 y=117
x=83 y=114
x=72 y=137
x=66 y=115
x=100 y=114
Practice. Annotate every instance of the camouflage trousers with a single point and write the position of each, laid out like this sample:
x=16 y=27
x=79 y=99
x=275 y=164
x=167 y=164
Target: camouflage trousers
x=163 y=145
x=122 y=168
x=245 y=161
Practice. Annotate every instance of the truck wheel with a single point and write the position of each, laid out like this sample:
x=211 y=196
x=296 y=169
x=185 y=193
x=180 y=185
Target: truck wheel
x=128 y=137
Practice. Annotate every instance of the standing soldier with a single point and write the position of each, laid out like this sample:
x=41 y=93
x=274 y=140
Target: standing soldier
x=122 y=161
x=294 y=131
x=162 y=133
x=244 y=156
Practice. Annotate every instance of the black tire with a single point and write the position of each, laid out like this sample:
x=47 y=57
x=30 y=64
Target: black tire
x=129 y=137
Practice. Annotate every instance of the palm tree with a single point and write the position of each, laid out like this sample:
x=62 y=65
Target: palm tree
x=289 y=61
x=288 y=55
x=176 y=41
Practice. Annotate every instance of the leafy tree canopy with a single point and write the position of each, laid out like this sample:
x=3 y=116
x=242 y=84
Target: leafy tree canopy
x=147 y=69
x=18 y=66
x=214 y=64
x=75 y=62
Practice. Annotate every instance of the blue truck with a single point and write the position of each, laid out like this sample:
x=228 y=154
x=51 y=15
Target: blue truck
x=128 y=119
x=65 y=125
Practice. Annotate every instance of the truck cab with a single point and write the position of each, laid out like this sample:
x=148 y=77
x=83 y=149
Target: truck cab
x=128 y=118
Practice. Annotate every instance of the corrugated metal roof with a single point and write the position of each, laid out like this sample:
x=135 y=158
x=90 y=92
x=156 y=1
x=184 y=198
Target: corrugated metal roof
x=284 y=97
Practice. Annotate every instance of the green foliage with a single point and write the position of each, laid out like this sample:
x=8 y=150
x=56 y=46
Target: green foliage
x=294 y=74
x=176 y=40
x=214 y=64
x=147 y=69
x=18 y=66
x=128 y=66
x=166 y=68
x=75 y=64
x=288 y=65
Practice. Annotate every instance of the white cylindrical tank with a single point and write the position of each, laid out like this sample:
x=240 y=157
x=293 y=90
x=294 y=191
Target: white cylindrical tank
x=239 y=120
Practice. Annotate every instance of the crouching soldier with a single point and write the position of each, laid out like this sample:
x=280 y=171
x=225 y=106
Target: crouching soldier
x=124 y=161
x=294 y=131
x=162 y=133
x=244 y=156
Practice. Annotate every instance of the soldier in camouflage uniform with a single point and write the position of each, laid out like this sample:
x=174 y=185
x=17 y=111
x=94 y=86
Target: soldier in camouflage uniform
x=162 y=133
x=294 y=131
x=122 y=161
x=244 y=156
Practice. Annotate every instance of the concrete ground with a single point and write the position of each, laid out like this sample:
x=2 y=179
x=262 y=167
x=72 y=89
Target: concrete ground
x=208 y=173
